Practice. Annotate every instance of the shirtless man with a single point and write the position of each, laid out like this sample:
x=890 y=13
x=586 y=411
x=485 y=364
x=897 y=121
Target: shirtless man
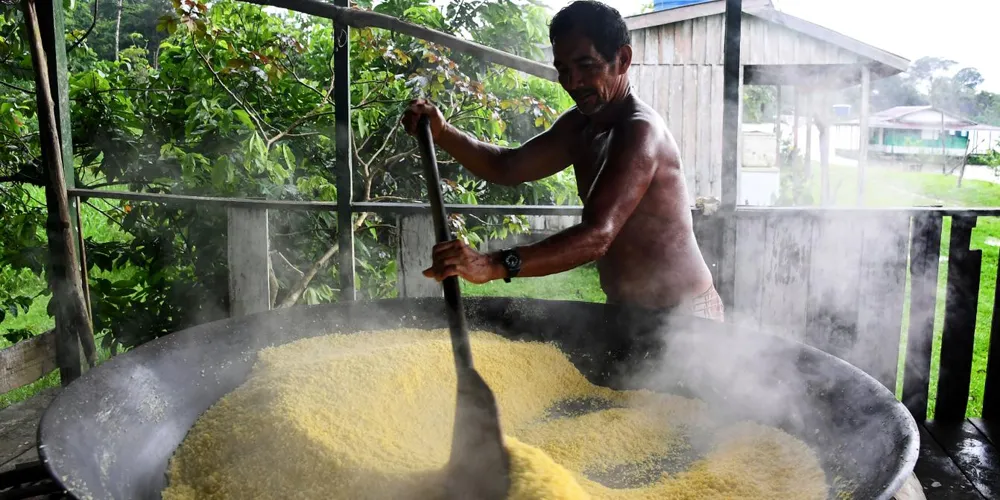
x=636 y=220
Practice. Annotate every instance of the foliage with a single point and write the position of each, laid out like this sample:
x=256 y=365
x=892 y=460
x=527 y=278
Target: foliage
x=759 y=103
x=794 y=184
x=236 y=101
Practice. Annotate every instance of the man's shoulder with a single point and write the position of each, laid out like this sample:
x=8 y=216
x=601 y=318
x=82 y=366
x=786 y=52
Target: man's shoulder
x=644 y=128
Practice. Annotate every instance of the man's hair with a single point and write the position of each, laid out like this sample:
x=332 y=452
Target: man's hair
x=601 y=23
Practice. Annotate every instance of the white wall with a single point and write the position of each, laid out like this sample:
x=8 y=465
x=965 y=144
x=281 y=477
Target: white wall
x=759 y=186
x=982 y=141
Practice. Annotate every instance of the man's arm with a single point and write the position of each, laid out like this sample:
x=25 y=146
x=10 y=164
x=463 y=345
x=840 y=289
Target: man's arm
x=540 y=157
x=631 y=164
x=633 y=158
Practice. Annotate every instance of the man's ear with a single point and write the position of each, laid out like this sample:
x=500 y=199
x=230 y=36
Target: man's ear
x=624 y=57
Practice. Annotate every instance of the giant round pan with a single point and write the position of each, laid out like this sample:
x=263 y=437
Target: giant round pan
x=111 y=433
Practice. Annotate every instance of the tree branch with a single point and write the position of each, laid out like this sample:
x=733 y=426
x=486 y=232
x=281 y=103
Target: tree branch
x=87 y=33
x=296 y=291
x=250 y=111
x=296 y=123
x=15 y=87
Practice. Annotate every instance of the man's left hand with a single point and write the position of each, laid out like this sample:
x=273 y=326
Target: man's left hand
x=455 y=258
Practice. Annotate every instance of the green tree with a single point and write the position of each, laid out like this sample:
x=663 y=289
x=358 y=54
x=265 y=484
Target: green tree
x=235 y=101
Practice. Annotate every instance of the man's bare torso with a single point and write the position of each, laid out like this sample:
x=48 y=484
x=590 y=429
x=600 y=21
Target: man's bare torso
x=654 y=261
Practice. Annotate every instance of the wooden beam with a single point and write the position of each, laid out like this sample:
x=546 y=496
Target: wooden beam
x=866 y=91
x=416 y=240
x=27 y=361
x=823 y=127
x=796 y=100
x=959 y=333
x=807 y=154
x=249 y=267
x=731 y=106
x=344 y=168
x=341 y=14
x=386 y=208
x=777 y=129
x=72 y=322
x=991 y=391
x=677 y=15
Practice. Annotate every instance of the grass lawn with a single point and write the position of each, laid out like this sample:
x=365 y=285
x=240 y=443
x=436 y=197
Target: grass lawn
x=579 y=284
x=37 y=319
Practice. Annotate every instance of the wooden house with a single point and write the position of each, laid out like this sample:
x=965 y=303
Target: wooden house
x=677 y=67
x=908 y=131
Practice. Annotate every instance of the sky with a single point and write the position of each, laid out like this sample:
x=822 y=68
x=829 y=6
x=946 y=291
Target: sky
x=953 y=29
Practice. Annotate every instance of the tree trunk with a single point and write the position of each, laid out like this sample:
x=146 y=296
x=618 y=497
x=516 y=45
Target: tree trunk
x=118 y=28
x=73 y=326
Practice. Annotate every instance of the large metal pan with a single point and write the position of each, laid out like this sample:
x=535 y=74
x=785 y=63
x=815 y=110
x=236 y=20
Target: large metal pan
x=111 y=433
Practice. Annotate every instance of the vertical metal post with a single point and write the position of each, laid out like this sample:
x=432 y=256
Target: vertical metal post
x=866 y=90
x=345 y=171
x=731 y=106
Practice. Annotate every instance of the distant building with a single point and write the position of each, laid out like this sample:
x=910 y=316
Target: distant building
x=907 y=131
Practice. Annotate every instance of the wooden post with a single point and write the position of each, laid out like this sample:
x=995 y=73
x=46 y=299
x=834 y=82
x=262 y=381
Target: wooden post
x=925 y=249
x=73 y=325
x=823 y=127
x=249 y=267
x=777 y=129
x=416 y=240
x=731 y=112
x=959 y=330
x=866 y=90
x=345 y=171
x=731 y=104
x=796 y=99
x=807 y=155
x=944 y=152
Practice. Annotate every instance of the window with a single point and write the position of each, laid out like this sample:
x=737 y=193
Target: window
x=928 y=134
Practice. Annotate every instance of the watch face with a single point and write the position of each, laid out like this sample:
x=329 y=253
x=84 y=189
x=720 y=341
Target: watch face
x=511 y=260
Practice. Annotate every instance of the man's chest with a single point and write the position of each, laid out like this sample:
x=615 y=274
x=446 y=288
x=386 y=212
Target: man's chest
x=590 y=161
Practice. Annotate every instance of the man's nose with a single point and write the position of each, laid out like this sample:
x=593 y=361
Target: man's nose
x=572 y=80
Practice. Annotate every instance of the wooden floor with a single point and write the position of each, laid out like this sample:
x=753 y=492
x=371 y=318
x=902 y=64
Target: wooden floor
x=959 y=460
x=19 y=429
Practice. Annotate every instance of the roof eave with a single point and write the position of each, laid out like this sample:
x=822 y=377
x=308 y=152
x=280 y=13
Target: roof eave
x=891 y=63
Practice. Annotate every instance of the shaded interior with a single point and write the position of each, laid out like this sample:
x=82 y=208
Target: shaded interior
x=111 y=433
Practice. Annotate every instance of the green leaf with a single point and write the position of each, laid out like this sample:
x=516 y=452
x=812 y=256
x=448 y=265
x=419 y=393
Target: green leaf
x=244 y=118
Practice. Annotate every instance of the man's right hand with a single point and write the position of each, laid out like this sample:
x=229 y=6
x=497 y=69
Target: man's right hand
x=422 y=107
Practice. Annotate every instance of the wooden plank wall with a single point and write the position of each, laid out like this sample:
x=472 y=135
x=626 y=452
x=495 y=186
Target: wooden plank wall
x=835 y=281
x=677 y=69
x=27 y=361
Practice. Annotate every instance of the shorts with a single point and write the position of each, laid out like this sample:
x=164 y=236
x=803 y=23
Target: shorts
x=707 y=305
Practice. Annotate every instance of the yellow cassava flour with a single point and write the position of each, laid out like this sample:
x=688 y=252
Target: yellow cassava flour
x=369 y=416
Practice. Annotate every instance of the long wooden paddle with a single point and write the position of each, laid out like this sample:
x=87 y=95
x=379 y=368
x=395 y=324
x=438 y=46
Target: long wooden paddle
x=479 y=466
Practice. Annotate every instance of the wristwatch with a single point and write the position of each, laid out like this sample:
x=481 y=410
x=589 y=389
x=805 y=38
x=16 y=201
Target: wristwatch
x=511 y=260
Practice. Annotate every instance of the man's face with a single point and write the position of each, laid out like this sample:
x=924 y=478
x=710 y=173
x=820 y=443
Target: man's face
x=587 y=77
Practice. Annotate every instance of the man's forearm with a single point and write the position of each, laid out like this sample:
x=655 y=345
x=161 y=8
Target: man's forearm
x=563 y=251
x=485 y=161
